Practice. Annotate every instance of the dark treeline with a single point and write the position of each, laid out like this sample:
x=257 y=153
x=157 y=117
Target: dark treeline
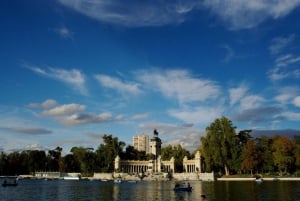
x=80 y=159
x=222 y=149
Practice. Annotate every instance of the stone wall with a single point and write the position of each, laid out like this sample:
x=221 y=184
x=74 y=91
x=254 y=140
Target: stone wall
x=194 y=176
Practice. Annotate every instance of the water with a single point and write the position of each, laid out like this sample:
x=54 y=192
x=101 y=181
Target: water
x=60 y=190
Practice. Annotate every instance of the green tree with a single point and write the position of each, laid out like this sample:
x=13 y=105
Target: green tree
x=265 y=161
x=71 y=163
x=283 y=153
x=132 y=154
x=54 y=160
x=220 y=146
x=107 y=152
x=36 y=160
x=178 y=152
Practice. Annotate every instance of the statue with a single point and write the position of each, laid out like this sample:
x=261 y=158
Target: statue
x=155 y=132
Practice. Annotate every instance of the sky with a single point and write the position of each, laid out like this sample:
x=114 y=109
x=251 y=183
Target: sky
x=74 y=70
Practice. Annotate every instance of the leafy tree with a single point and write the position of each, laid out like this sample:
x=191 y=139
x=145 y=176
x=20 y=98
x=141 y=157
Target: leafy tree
x=283 y=153
x=36 y=160
x=220 y=146
x=54 y=160
x=108 y=151
x=132 y=154
x=178 y=152
x=71 y=163
x=250 y=156
x=264 y=146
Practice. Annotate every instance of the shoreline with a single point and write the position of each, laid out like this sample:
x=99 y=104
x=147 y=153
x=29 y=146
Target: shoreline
x=263 y=179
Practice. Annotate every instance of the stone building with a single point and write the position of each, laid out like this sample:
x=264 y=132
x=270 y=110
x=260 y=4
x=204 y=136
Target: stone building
x=156 y=165
x=141 y=143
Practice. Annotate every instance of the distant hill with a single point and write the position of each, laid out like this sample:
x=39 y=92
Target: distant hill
x=290 y=133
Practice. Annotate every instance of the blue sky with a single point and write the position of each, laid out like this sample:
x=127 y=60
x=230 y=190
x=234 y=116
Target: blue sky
x=74 y=70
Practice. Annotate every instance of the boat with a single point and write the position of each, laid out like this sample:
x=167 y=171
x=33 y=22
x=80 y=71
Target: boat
x=6 y=183
x=117 y=181
x=182 y=186
x=74 y=178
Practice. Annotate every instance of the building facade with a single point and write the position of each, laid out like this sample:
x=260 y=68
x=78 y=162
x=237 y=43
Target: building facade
x=141 y=143
x=156 y=165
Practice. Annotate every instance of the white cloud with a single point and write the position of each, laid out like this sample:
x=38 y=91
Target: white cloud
x=181 y=85
x=63 y=110
x=197 y=115
x=251 y=101
x=286 y=94
x=46 y=104
x=243 y=14
x=134 y=13
x=140 y=116
x=73 y=78
x=235 y=94
x=294 y=116
x=79 y=119
x=286 y=66
x=117 y=84
x=296 y=101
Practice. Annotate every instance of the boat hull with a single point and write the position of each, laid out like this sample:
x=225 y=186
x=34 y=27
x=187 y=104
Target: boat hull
x=7 y=185
x=187 y=189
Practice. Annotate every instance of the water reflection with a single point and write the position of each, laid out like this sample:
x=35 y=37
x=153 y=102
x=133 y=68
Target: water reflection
x=59 y=190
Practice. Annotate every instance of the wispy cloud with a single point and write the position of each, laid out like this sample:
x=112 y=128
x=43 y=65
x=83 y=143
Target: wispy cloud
x=134 y=13
x=73 y=78
x=64 y=32
x=239 y=14
x=66 y=109
x=197 y=115
x=28 y=130
x=236 y=94
x=286 y=66
x=229 y=53
x=296 y=101
x=79 y=119
x=278 y=44
x=140 y=116
x=125 y=88
x=180 y=84
x=243 y=14
x=74 y=114
x=46 y=104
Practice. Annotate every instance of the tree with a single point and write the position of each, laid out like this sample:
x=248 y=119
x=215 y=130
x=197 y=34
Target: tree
x=220 y=146
x=264 y=146
x=37 y=160
x=132 y=154
x=71 y=163
x=178 y=152
x=108 y=151
x=250 y=156
x=54 y=159
x=283 y=153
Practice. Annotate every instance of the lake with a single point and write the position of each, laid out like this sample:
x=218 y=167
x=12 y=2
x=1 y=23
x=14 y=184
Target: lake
x=60 y=190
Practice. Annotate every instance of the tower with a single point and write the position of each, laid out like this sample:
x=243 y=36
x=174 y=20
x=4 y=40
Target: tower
x=141 y=143
x=155 y=144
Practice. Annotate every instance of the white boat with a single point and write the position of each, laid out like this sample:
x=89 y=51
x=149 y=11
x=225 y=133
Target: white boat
x=118 y=181
x=74 y=178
